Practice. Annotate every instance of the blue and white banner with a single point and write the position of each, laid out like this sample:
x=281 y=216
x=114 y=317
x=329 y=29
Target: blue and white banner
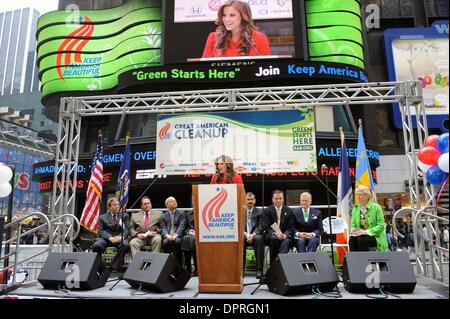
x=257 y=141
x=218 y=213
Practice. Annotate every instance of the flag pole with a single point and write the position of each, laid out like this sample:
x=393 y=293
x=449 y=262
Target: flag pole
x=342 y=136
x=122 y=209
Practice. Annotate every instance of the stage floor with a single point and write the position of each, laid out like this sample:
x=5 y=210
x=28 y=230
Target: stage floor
x=425 y=289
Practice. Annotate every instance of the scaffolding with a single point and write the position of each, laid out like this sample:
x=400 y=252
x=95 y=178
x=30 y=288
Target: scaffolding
x=72 y=110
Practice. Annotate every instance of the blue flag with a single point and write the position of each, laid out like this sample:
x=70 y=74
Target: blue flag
x=123 y=183
x=363 y=175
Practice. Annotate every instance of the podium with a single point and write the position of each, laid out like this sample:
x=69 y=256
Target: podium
x=219 y=215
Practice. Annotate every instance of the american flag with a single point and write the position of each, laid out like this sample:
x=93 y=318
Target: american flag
x=91 y=211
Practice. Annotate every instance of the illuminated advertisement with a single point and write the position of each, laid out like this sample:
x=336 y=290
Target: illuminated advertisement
x=27 y=197
x=206 y=10
x=422 y=54
x=86 y=52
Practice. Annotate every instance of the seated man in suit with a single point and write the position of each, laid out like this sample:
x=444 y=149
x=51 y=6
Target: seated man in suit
x=253 y=232
x=278 y=225
x=172 y=228
x=113 y=230
x=307 y=225
x=145 y=228
x=188 y=244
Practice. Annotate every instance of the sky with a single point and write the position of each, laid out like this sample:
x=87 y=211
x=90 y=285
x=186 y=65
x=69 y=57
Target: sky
x=43 y=6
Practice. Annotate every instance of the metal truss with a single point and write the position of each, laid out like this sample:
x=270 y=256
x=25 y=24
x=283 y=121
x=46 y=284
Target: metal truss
x=419 y=127
x=240 y=99
x=407 y=94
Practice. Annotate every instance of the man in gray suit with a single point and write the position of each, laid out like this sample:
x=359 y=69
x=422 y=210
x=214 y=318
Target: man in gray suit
x=173 y=223
x=145 y=228
x=308 y=225
x=253 y=232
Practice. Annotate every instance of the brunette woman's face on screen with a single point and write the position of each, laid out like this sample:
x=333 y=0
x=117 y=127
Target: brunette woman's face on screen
x=231 y=19
x=221 y=166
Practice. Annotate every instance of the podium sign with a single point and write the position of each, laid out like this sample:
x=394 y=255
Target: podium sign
x=219 y=218
x=218 y=214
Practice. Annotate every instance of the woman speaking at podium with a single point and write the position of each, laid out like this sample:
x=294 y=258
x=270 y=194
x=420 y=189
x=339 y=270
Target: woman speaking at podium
x=236 y=34
x=225 y=173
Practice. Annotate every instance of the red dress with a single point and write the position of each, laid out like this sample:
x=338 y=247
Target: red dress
x=259 y=39
x=235 y=179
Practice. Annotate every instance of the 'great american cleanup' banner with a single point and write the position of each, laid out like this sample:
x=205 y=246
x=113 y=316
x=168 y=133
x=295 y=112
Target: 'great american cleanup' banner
x=257 y=141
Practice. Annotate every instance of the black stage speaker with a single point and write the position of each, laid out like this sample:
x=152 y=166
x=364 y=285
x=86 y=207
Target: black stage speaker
x=156 y=271
x=300 y=273
x=77 y=271
x=365 y=272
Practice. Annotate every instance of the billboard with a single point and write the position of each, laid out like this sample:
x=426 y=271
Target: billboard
x=257 y=141
x=206 y=10
x=86 y=50
x=422 y=54
x=27 y=197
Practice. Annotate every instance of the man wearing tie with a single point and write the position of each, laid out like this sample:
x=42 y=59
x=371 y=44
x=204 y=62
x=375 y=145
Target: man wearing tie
x=278 y=225
x=145 y=228
x=113 y=231
x=173 y=223
x=253 y=232
x=308 y=225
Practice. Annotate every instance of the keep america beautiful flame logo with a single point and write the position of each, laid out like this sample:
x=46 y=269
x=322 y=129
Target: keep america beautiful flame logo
x=213 y=206
x=164 y=130
x=73 y=45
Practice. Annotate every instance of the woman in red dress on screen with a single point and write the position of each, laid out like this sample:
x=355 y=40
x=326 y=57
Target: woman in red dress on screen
x=225 y=173
x=236 y=33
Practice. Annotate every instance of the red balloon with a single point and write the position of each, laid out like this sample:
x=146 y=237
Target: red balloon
x=429 y=155
x=431 y=140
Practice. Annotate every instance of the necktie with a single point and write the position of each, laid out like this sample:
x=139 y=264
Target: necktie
x=114 y=216
x=146 y=221
x=305 y=214
x=249 y=221
x=172 y=228
x=278 y=215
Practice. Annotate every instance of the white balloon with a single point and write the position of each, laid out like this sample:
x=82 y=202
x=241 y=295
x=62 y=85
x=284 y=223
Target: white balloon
x=5 y=174
x=443 y=162
x=5 y=189
x=424 y=167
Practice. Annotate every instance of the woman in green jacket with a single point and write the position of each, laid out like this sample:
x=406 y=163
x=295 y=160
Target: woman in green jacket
x=367 y=229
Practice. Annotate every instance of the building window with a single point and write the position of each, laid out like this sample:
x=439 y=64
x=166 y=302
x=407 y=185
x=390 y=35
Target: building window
x=330 y=118
x=140 y=125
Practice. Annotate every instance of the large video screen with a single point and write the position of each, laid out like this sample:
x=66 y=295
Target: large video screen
x=204 y=30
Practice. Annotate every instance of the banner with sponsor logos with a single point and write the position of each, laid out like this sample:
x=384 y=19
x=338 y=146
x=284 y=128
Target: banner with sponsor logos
x=206 y=10
x=218 y=213
x=257 y=141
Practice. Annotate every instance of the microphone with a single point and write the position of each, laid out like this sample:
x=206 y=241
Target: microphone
x=214 y=50
x=247 y=38
x=215 y=47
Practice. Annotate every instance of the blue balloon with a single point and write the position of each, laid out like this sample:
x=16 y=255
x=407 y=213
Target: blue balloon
x=435 y=175
x=442 y=143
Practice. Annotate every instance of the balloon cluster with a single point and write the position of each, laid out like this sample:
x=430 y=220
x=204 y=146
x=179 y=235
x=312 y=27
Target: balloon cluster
x=440 y=80
x=5 y=176
x=433 y=158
